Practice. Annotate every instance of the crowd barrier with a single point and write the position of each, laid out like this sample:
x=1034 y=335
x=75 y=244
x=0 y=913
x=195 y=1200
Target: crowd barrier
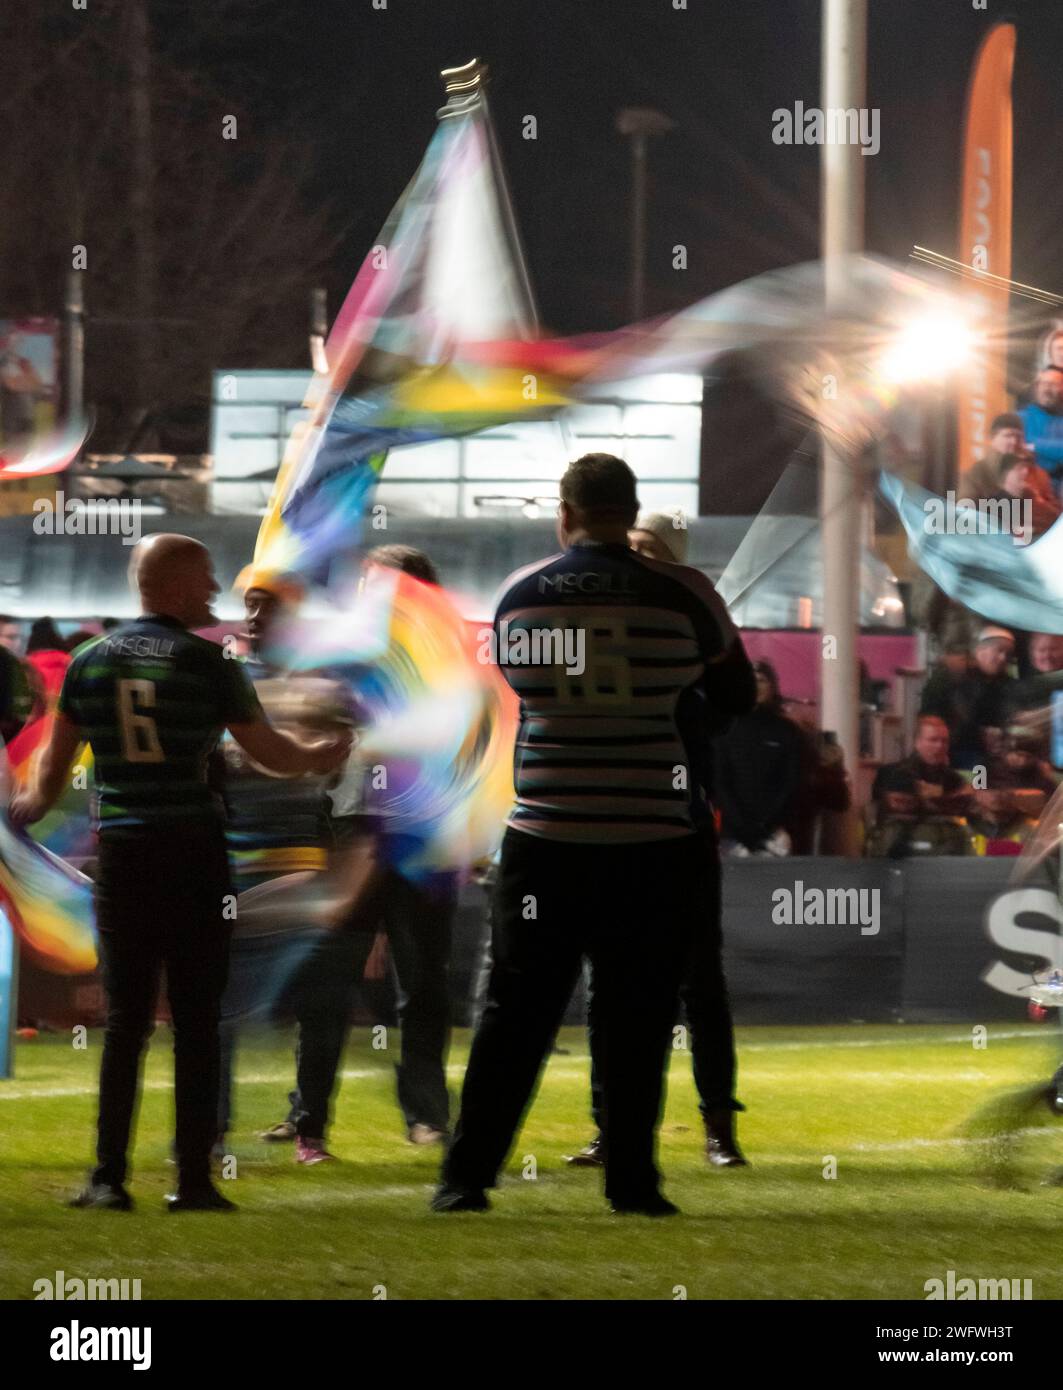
x=807 y=940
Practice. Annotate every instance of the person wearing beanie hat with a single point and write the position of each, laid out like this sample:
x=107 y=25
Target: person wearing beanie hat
x=976 y=704
x=661 y=536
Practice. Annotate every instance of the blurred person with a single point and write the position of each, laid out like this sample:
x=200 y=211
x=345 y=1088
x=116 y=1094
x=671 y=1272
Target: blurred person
x=919 y=802
x=417 y=920
x=758 y=766
x=47 y=655
x=938 y=788
x=975 y=703
x=11 y=634
x=1025 y=755
x=1044 y=677
x=1042 y=421
x=152 y=699
x=996 y=822
x=1010 y=470
x=953 y=627
x=19 y=704
x=277 y=827
x=601 y=857
x=823 y=786
x=1051 y=349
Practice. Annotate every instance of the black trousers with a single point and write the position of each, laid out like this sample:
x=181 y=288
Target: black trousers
x=705 y=1001
x=632 y=909
x=160 y=900
x=419 y=926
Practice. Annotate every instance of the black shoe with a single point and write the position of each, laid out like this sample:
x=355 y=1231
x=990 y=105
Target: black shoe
x=593 y=1156
x=721 y=1146
x=198 y=1199
x=1053 y=1100
x=106 y=1196
x=460 y=1199
x=655 y=1205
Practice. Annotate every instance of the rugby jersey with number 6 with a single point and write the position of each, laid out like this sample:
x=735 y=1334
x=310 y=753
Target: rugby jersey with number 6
x=152 y=699
x=613 y=643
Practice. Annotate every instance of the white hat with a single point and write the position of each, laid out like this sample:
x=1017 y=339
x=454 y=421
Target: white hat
x=670 y=528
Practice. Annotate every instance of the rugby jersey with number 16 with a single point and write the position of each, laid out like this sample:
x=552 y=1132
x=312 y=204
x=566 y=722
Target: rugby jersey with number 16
x=614 y=644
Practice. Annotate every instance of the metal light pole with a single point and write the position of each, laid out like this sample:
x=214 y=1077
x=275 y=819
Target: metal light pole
x=639 y=123
x=844 y=85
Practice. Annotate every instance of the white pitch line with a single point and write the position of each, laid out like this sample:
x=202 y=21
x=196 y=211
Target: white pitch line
x=886 y=1042
x=556 y=1069
x=90 y=1088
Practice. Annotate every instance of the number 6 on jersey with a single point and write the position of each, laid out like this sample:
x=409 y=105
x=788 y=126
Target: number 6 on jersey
x=140 y=738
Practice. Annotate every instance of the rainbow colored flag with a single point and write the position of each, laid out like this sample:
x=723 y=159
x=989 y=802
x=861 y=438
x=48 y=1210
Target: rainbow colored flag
x=445 y=272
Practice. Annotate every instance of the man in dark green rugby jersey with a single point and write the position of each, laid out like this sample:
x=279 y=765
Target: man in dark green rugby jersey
x=152 y=699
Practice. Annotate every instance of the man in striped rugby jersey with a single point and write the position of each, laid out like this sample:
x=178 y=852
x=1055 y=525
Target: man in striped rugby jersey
x=601 y=856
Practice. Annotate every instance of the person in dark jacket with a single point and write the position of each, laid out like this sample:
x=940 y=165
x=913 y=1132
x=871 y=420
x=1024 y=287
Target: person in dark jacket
x=758 y=770
x=976 y=704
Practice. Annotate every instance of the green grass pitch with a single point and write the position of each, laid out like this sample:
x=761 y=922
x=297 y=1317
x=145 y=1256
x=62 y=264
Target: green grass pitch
x=889 y=1104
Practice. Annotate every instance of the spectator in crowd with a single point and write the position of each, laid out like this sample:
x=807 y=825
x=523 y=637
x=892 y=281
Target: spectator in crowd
x=1045 y=656
x=974 y=704
x=1043 y=421
x=758 y=771
x=919 y=800
x=1004 y=474
x=47 y=655
x=996 y=822
x=1009 y=471
x=1051 y=354
x=11 y=634
x=823 y=786
x=925 y=773
x=17 y=698
x=1025 y=757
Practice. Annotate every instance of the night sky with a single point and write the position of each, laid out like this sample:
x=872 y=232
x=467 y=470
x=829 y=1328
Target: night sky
x=361 y=87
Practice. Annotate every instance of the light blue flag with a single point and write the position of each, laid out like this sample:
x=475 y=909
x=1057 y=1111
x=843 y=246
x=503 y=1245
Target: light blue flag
x=1019 y=586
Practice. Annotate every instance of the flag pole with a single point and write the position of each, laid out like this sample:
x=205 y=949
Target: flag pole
x=466 y=87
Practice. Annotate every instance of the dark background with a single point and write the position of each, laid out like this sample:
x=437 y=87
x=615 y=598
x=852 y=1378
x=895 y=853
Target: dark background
x=336 y=102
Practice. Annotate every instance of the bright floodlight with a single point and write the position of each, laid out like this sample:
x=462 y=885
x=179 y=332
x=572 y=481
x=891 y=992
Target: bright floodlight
x=927 y=349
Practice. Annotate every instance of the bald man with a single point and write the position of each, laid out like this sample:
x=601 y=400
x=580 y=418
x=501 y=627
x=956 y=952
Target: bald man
x=152 y=699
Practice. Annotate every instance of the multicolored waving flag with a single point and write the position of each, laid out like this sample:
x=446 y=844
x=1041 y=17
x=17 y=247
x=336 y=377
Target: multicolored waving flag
x=48 y=902
x=445 y=271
